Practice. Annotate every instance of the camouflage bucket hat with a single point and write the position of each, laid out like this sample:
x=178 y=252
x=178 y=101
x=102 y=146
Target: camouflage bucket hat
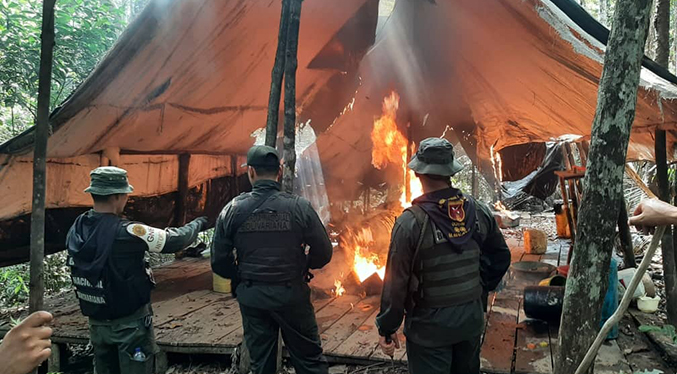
x=435 y=156
x=109 y=180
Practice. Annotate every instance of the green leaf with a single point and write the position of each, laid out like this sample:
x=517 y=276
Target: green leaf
x=648 y=328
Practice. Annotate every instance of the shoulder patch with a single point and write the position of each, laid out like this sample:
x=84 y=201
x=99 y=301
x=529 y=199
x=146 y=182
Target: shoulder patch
x=154 y=238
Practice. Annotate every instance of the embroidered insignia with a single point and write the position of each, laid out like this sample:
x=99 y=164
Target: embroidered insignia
x=456 y=211
x=138 y=230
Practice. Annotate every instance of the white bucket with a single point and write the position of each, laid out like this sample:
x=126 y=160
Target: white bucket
x=648 y=304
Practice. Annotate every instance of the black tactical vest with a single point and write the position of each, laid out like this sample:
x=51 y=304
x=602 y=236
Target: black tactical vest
x=445 y=276
x=270 y=241
x=125 y=284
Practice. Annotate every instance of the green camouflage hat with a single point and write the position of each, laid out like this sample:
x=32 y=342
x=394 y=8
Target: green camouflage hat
x=109 y=180
x=435 y=156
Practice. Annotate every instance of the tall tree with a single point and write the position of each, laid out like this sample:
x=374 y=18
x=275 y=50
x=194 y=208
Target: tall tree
x=604 y=12
x=36 y=284
x=291 y=63
x=603 y=190
x=276 y=77
x=662 y=27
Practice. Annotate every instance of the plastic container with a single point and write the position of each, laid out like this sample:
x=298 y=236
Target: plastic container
x=139 y=356
x=220 y=284
x=648 y=304
x=556 y=280
x=625 y=276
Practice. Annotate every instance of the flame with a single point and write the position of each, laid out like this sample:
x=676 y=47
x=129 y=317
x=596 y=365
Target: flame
x=366 y=264
x=338 y=288
x=497 y=164
x=390 y=147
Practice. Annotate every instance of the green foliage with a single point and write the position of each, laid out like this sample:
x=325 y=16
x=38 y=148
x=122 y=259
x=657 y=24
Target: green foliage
x=15 y=280
x=667 y=330
x=84 y=31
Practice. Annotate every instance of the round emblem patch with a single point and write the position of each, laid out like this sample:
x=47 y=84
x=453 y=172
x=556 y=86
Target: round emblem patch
x=139 y=230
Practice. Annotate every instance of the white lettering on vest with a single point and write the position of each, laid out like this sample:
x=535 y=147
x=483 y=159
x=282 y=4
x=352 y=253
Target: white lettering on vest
x=79 y=281
x=91 y=298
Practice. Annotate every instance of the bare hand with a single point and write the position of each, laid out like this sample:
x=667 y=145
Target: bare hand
x=27 y=345
x=389 y=348
x=651 y=213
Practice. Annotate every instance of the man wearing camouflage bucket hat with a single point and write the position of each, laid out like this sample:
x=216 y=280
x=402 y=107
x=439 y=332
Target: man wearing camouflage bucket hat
x=112 y=279
x=446 y=254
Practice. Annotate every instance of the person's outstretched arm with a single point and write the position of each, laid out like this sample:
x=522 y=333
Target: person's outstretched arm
x=653 y=212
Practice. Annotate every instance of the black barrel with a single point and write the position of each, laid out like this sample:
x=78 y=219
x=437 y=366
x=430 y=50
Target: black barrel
x=543 y=302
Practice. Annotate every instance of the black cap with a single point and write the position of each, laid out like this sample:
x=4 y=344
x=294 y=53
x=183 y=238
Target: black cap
x=263 y=155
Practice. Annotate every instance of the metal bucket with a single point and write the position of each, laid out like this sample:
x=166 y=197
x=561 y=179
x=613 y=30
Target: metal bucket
x=543 y=302
x=529 y=273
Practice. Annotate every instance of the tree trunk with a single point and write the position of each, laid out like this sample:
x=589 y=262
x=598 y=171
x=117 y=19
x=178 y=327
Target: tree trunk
x=290 y=95
x=649 y=48
x=37 y=286
x=182 y=195
x=617 y=98
x=604 y=12
x=662 y=26
x=626 y=239
x=277 y=75
x=669 y=269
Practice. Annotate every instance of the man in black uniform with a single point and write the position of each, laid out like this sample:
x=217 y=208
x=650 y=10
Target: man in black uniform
x=271 y=232
x=446 y=253
x=111 y=277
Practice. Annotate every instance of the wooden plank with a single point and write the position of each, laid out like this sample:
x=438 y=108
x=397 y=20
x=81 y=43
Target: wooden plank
x=362 y=342
x=347 y=324
x=499 y=341
x=334 y=311
x=532 y=351
x=166 y=310
x=319 y=304
x=203 y=327
x=610 y=359
x=662 y=341
x=637 y=349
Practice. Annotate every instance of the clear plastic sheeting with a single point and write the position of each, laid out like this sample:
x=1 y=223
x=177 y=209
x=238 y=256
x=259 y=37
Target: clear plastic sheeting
x=309 y=181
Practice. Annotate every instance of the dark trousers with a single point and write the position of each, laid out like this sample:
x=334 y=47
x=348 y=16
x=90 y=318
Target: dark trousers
x=459 y=358
x=299 y=332
x=115 y=342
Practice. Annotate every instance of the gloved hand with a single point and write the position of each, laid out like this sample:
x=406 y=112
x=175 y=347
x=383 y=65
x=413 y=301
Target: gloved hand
x=203 y=221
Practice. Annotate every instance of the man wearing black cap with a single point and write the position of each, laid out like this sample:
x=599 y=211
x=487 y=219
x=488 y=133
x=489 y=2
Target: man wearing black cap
x=111 y=277
x=265 y=242
x=446 y=253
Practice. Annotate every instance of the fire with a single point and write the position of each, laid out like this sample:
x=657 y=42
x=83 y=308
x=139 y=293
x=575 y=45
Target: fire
x=390 y=147
x=338 y=288
x=366 y=264
x=497 y=164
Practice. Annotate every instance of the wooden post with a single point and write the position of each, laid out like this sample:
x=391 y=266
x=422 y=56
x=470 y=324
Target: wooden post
x=291 y=63
x=234 y=166
x=276 y=77
x=626 y=239
x=36 y=285
x=603 y=190
x=669 y=269
x=182 y=196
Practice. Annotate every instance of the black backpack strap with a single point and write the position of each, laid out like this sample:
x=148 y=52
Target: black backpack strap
x=423 y=220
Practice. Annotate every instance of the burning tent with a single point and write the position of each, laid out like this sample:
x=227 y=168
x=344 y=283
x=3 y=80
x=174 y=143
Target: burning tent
x=191 y=77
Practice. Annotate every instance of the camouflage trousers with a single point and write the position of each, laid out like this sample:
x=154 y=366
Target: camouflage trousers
x=116 y=341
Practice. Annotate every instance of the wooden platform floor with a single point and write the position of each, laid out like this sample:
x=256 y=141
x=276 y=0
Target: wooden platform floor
x=189 y=318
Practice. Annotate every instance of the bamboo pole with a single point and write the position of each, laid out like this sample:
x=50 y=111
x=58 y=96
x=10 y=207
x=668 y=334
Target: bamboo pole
x=625 y=302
